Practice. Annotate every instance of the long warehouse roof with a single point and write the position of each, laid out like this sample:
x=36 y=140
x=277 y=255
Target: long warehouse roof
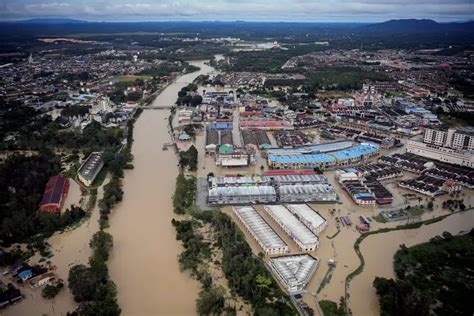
x=307 y=213
x=297 y=229
x=259 y=227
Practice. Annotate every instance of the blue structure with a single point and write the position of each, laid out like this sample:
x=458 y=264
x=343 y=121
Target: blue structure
x=314 y=149
x=222 y=125
x=304 y=159
x=25 y=275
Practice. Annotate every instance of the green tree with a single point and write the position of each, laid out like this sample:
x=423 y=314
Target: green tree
x=211 y=301
x=101 y=243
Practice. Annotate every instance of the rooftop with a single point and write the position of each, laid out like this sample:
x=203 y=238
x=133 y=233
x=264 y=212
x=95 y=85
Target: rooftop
x=91 y=167
x=307 y=213
x=259 y=227
x=54 y=190
x=295 y=271
x=297 y=229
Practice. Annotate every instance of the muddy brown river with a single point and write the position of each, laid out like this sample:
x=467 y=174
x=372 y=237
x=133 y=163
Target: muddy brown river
x=144 y=263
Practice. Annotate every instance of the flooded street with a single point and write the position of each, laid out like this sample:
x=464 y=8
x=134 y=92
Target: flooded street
x=69 y=248
x=378 y=251
x=143 y=262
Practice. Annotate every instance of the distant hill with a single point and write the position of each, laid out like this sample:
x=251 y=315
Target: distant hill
x=52 y=21
x=418 y=26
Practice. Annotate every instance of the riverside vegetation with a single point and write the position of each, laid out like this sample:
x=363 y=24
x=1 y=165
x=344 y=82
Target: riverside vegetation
x=434 y=278
x=246 y=273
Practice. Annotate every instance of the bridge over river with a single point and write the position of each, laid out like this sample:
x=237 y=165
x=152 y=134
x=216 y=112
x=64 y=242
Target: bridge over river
x=155 y=107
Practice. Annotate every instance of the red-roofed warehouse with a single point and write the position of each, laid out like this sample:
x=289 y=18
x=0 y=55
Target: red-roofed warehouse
x=54 y=194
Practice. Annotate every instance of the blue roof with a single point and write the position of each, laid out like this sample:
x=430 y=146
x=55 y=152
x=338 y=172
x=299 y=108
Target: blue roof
x=314 y=149
x=222 y=125
x=356 y=151
x=350 y=170
x=364 y=195
x=26 y=273
x=343 y=154
x=316 y=159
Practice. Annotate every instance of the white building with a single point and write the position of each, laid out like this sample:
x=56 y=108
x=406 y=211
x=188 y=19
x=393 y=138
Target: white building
x=452 y=138
x=307 y=192
x=259 y=229
x=312 y=219
x=294 y=272
x=242 y=195
x=303 y=237
x=444 y=154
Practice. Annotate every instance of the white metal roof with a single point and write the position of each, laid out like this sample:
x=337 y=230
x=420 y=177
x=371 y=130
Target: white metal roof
x=307 y=213
x=242 y=191
x=295 y=270
x=259 y=227
x=297 y=229
x=307 y=188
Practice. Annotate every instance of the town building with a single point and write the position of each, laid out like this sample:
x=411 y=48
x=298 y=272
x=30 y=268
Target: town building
x=242 y=195
x=353 y=183
x=261 y=231
x=428 y=185
x=445 y=154
x=90 y=168
x=54 y=195
x=296 y=230
x=287 y=187
x=229 y=156
x=462 y=138
x=265 y=124
x=306 y=158
x=42 y=279
x=212 y=141
x=295 y=271
x=311 y=218
x=301 y=193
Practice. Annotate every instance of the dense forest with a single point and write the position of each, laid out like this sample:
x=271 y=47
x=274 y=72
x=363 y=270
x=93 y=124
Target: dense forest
x=184 y=194
x=189 y=158
x=22 y=183
x=91 y=285
x=434 y=278
x=32 y=130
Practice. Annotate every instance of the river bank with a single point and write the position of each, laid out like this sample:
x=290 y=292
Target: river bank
x=68 y=248
x=378 y=251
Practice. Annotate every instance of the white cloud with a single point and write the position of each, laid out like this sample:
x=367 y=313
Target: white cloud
x=287 y=10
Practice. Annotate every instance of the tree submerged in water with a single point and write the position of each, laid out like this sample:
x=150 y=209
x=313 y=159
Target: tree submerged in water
x=434 y=278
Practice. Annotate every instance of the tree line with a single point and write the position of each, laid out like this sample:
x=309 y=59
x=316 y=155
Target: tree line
x=434 y=278
x=22 y=183
x=91 y=285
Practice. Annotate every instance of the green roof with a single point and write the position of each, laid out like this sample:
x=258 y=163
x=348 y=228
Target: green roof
x=225 y=148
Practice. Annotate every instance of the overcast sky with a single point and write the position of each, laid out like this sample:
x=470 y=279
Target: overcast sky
x=231 y=10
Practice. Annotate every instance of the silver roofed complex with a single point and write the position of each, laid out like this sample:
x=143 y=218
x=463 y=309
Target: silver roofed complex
x=263 y=233
x=304 y=238
x=91 y=168
x=312 y=219
x=307 y=193
x=270 y=188
x=242 y=195
x=294 y=271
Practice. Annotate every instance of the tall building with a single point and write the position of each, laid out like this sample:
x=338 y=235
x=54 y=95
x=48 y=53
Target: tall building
x=462 y=138
x=444 y=154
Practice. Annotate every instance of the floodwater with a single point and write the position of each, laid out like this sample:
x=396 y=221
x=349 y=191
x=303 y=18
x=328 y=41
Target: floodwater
x=69 y=248
x=144 y=260
x=378 y=251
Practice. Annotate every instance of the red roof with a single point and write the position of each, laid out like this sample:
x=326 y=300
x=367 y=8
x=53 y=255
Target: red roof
x=56 y=188
x=298 y=77
x=287 y=172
